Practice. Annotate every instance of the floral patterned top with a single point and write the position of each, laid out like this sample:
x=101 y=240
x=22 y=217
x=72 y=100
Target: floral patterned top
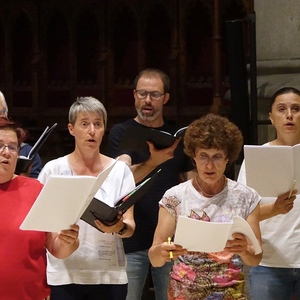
x=209 y=276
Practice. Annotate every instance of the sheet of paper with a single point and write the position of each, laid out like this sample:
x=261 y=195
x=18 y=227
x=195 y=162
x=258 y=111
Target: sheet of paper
x=202 y=236
x=240 y=225
x=270 y=170
x=62 y=201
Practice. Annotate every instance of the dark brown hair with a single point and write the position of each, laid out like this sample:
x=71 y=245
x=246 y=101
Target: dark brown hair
x=8 y=124
x=282 y=91
x=151 y=72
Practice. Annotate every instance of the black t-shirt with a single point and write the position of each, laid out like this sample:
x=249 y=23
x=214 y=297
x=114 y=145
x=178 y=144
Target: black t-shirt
x=146 y=209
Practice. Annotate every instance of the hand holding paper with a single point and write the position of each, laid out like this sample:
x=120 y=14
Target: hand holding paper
x=62 y=201
x=211 y=236
x=272 y=170
x=110 y=215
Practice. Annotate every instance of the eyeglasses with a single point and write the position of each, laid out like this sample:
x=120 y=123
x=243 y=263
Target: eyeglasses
x=2 y=112
x=142 y=94
x=216 y=159
x=11 y=148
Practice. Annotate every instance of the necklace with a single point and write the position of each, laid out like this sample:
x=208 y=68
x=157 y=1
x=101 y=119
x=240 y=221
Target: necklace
x=205 y=194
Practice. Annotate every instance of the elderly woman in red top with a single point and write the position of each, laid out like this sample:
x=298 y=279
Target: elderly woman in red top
x=23 y=253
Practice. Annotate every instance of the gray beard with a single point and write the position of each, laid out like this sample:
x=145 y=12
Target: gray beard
x=147 y=118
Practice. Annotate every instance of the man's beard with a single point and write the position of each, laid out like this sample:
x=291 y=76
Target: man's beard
x=146 y=117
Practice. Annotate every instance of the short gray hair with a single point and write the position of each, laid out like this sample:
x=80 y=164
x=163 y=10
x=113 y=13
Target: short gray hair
x=84 y=105
x=4 y=104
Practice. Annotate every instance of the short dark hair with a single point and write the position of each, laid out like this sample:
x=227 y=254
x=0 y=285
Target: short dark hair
x=214 y=132
x=282 y=91
x=152 y=72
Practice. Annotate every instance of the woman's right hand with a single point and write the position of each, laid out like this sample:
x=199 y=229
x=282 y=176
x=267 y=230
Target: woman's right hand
x=284 y=203
x=171 y=251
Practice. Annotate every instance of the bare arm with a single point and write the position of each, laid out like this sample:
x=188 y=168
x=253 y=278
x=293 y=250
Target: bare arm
x=157 y=157
x=63 y=244
x=282 y=205
x=159 y=253
x=240 y=244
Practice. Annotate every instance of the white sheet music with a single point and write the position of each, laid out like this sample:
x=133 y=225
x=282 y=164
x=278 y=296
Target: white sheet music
x=62 y=201
x=202 y=236
x=271 y=170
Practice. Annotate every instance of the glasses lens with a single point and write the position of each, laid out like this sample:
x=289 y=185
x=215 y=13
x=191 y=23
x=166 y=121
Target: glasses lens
x=142 y=94
x=155 y=95
x=11 y=148
x=215 y=159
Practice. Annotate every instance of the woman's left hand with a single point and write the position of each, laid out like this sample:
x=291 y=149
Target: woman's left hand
x=238 y=245
x=69 y=236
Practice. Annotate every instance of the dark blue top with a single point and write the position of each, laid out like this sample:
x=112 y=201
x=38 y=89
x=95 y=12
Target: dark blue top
x=37 y=164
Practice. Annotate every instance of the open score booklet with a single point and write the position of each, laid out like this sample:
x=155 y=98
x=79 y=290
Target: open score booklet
x=202 y=236
x=24 y=161
x=62 y=201
x=65 y=199
x=272 y=170
x=135 y=138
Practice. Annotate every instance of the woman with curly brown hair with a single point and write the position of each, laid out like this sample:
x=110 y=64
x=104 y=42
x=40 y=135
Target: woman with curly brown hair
x=214 y=143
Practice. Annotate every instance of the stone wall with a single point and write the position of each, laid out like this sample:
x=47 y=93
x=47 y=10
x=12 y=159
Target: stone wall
x=278 y=54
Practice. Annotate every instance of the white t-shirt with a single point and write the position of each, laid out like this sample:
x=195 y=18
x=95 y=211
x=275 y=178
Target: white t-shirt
x=234 y=200
x=100 y=258
x=280 y=234
x=218 y=274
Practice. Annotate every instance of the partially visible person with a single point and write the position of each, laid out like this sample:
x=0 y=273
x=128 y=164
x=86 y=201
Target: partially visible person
x=36 y=166
x=23 y=253
x=278 y=274
x=214 y=143
x=98 y=269
x=151 y=93
x=3 y=106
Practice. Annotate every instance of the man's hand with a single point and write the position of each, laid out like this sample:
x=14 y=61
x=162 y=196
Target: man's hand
x=158 y=157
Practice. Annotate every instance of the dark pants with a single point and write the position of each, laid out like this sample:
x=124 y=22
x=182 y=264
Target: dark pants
x=89 y=292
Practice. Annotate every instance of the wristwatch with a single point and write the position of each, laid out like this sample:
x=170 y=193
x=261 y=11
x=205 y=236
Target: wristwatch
x=123 y=230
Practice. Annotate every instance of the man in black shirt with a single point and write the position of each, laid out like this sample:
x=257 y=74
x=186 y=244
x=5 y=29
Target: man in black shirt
x=151 y=93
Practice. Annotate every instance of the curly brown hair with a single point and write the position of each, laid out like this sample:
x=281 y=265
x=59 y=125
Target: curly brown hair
x=213 y=132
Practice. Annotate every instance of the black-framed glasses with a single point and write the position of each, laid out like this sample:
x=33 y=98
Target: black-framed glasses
x=142 y=94
x=11 y=148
